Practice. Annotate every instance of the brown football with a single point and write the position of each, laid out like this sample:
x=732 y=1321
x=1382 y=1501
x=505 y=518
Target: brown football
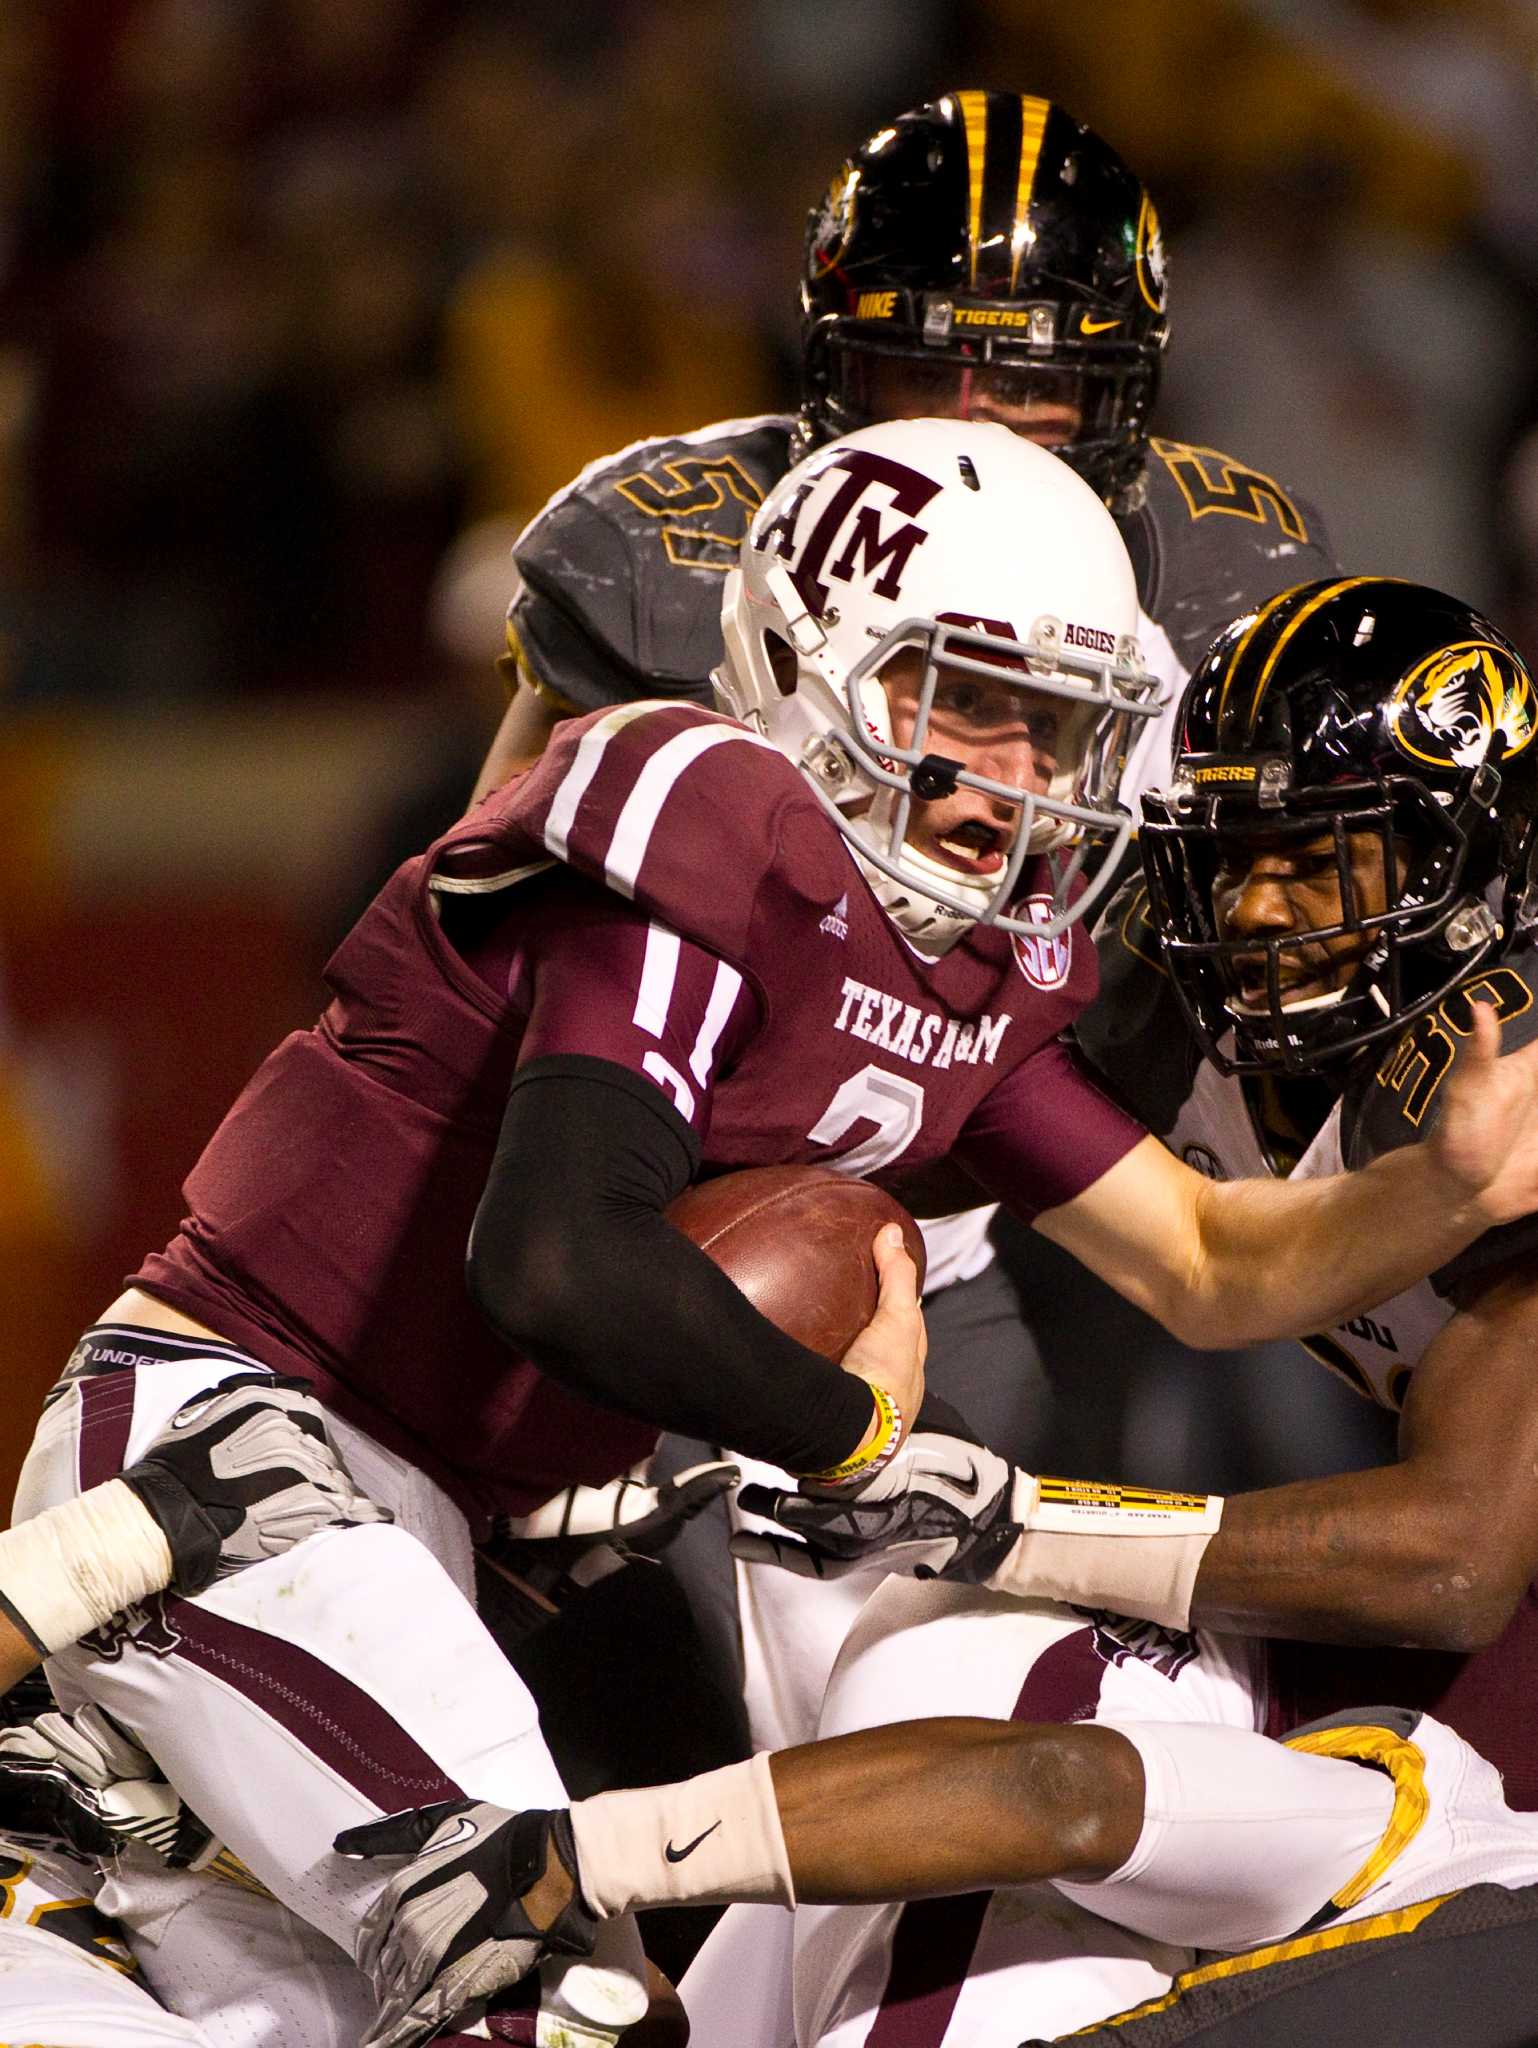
x=797 y=1241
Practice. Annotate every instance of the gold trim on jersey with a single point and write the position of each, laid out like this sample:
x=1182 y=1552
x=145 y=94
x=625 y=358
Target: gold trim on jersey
x=1405 y=1763
x=102 y=1945
x=1033 y=126
x=974 y=125
x=1376 y=1928
x=1239 y=491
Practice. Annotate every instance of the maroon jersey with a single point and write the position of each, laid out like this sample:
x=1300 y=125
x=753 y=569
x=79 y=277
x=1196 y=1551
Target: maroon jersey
x=664 y=890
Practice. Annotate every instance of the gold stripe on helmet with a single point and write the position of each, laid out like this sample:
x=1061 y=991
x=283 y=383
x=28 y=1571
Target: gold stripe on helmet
x=1033 y=126
x=1242 y=648
x=974 y=122
x=1304 y=612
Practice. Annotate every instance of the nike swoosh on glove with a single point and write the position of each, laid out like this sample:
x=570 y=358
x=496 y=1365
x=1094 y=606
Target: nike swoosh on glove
x=243 y=1473
x=450 y=1929
x=943 y=1508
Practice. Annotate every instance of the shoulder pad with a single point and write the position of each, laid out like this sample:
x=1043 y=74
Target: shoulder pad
x=622 y=571
x=1393 y=1102
x=1214 y=538
x=1134 y=1031
x=684 y=812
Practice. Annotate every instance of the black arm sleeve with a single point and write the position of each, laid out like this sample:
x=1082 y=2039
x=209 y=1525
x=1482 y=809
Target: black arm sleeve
x=572 y=1262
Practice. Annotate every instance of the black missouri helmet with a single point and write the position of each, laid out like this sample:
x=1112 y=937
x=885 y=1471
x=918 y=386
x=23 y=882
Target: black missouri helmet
x=980 y=253
x=1365 y=705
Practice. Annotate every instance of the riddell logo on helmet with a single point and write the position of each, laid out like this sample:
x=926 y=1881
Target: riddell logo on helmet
x=1095 y=638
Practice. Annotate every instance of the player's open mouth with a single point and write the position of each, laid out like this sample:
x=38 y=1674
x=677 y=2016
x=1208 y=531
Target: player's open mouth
x=1294 y=990
x=973 y=848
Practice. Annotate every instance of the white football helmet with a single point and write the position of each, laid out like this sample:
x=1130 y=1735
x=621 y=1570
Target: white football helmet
x=1006 y=573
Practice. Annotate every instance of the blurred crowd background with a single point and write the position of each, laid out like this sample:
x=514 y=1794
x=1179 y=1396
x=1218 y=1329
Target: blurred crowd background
x=305 y=305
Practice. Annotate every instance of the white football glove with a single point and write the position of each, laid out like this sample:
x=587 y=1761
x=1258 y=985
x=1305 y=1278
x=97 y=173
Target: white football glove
x=243 y=1472
x=942 y=1508
x=945 y=1508
x=77 y=1782
x=449 y=1930
x=583 y=1533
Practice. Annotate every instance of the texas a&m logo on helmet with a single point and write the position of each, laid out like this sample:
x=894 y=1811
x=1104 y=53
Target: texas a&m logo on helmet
x=864 y=526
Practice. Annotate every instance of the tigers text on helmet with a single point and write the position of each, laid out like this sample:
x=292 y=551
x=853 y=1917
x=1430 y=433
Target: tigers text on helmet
x=985 y=256
x=936 y=621
x=1375 y=738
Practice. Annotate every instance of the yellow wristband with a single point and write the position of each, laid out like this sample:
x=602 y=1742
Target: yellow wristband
x=872 y=1454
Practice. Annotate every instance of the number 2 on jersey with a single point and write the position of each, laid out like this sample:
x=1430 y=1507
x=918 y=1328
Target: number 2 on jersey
x=892 y=1102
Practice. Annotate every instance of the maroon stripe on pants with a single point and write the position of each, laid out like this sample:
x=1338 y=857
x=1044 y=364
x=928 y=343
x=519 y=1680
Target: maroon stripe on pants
x=335 y=1720
x=934 y=1939
x=106 y=1415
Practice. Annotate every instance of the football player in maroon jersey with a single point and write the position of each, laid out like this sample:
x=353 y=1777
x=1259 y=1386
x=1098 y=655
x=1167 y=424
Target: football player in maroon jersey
x=549 y=1023
x=983 y=256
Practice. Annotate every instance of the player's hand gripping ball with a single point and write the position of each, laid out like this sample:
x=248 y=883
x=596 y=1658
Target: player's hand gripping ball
x=797 y=1241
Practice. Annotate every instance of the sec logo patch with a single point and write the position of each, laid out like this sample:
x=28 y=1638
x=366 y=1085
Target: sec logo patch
x=1045 y=961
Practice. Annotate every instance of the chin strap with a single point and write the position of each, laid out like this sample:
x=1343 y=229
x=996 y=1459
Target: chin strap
x=931 y=927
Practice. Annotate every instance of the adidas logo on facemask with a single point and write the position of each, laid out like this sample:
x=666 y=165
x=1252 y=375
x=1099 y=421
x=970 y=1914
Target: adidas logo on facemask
x=836 y=923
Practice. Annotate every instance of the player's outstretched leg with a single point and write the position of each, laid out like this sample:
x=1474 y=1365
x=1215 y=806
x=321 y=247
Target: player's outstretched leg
x=339 y=1680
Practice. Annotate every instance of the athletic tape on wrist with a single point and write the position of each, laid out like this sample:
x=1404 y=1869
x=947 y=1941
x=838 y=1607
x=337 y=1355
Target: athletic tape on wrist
x=73 y=1567
x=710 y=1839
x=1133 y=1549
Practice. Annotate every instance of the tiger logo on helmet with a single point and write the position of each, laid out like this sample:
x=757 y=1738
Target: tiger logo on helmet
x=1450 y=707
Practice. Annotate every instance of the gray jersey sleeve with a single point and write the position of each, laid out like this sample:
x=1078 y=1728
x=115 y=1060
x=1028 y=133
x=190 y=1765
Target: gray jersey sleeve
x=1213 y=539
x=622 y=572
x=1394 y=1100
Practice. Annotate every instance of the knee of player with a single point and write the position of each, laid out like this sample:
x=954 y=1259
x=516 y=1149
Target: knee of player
x=1087 y=1781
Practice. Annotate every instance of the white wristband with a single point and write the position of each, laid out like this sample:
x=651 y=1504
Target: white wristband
x=713 y=1838
x=1133 y=1549
x=73 y=1567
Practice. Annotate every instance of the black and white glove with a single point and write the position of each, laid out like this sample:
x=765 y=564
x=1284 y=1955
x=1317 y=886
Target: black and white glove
x=77 y=1782
x=450 y=1930
x=943 y=1508
x=242 y=1473
x=584 y=1533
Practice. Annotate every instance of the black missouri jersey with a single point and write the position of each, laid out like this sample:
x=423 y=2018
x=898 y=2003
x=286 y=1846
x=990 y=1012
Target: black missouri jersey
x=1215 y=538
x=622 y=571
x=1230 y=1128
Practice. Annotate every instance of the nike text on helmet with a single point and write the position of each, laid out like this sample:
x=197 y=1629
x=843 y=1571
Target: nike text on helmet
x=1005 y=574
x=1364 y=705
x=980 y=255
